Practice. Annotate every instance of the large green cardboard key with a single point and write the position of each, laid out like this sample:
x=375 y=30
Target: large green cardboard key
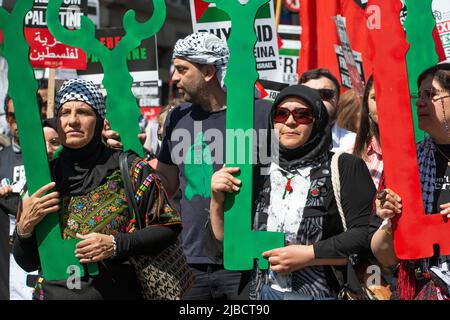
x=121 y=106
x=242 y=245
x=56 y=254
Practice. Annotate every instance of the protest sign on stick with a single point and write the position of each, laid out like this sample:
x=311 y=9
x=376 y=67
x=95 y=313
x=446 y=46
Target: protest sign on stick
x=45 y=50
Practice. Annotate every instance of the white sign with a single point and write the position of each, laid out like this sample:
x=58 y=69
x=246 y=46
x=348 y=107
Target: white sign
x=209 y=18
x=94 y=12
x=289 y=52
x=441 y=11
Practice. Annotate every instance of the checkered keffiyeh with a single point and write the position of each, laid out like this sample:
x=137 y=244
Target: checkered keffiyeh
x=204 y=48
x=427 y=170
x=81 y=90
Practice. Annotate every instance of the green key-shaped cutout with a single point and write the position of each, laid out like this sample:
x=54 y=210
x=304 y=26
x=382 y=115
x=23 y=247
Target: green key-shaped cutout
x=56 y=254
x=419 y=26
x=121 y=106
x=241 y=244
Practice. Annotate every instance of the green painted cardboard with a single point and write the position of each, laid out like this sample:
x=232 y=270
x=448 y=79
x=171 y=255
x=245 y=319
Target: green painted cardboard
x=56 y=255
x=422 y=52
x=121 y=106
x=241 y=244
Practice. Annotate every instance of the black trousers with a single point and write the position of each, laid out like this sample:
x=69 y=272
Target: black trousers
x=213 y=282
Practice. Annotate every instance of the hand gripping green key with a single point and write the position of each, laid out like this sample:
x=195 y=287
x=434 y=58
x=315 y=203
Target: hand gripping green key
x=241 y=244
x=419 y=26
x=56 y=254
x=121 y=106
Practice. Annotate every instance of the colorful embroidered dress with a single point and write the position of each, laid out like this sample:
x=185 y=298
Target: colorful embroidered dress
x=104 y=210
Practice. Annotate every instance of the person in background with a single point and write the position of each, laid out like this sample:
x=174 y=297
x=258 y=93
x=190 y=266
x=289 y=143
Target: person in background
x=368 y=144
x=43 y=93
x=423 y=279
x=349 y=111
x=329 y=90
x=52 y=141
x=13 y=279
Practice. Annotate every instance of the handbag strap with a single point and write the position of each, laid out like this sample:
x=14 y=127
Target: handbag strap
x=336 y=181
x=129 y=193
x=352 y=279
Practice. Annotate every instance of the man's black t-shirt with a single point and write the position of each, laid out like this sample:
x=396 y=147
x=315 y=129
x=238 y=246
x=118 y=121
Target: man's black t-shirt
x=195 y=142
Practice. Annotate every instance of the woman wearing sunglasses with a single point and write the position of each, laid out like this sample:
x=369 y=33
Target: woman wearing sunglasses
x=297 y=198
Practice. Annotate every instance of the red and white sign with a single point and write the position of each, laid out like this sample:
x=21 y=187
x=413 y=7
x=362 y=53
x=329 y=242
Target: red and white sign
x=45 y=50
x=441 y=11
x=150 y=113
x=293 y=5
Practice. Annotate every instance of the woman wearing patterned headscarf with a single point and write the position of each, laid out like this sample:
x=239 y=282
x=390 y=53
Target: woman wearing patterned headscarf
x=89 y=194
x=298 y=198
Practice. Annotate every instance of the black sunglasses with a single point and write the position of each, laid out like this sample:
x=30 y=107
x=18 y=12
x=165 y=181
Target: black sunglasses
x=301 y=115
x=326 y=94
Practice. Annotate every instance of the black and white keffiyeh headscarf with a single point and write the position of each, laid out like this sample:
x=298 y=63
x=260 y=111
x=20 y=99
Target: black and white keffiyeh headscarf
x=81 y=90
x=204 y=48
x=427 y=170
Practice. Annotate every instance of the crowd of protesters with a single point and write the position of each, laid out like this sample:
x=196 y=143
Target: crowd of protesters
x=323 y=187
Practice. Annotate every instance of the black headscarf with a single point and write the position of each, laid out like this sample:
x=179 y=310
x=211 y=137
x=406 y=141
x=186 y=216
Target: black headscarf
x=79 y=171
x=319 y=141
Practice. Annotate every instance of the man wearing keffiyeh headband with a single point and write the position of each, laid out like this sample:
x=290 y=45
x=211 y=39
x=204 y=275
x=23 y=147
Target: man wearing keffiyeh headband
x=200 y=62
x=205 y=49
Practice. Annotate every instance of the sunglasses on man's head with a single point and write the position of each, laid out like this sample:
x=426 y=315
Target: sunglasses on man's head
x=301 y=115
x=326 y=94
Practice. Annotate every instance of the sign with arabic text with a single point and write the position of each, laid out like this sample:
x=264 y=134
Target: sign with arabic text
x=45 y=50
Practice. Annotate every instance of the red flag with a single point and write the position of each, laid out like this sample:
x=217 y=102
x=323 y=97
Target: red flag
x=319 y=35
x=358 y=34
x=320 y=41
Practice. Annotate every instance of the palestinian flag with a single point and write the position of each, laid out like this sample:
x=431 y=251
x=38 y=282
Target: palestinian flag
x=208 y=12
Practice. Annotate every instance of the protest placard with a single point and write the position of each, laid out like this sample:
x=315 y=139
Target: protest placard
x=207 y=17
x=142 y=63
x=289 y=52
x=45 y=50
x=441 y=11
